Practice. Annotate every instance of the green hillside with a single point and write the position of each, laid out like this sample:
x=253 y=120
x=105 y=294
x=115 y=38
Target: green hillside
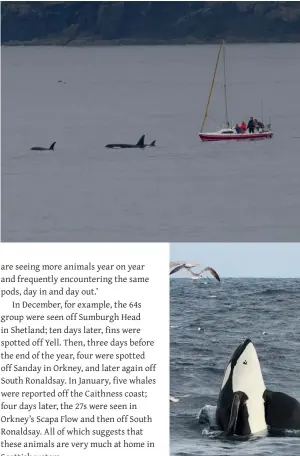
x=153 y=22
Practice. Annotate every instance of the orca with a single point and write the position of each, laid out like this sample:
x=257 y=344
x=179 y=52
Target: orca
x=241 y=406
x=281 y=411
x=139 y=145
x=44 y=148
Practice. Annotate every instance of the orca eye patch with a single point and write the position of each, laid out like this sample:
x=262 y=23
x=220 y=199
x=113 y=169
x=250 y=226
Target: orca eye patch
x=245 y=362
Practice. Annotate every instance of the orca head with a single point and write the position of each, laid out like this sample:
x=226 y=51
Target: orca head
x=244 y=370
x=244 y=374
x=247 y=375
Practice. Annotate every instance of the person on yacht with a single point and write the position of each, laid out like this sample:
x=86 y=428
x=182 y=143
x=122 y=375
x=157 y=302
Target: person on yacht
x=238 y=128
x=251 y=125
x=243 y=126
x=259 y=125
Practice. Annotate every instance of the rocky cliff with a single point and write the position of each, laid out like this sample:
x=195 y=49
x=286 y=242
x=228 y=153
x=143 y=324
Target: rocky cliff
x=153 y=22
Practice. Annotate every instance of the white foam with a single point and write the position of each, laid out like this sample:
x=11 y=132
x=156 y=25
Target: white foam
x=208 y=415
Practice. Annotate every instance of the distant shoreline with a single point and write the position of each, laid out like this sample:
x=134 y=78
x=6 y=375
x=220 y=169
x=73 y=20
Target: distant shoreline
x=85 y=42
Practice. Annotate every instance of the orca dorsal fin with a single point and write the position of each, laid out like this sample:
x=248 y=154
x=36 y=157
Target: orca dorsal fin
x=153 y=143
x=52 y=146
x=141 y=141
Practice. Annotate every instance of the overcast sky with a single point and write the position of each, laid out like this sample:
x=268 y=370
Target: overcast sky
x=241 y=259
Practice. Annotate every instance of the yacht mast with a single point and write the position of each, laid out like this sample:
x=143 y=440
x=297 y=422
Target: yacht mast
x=225 y=86
x=211 y=88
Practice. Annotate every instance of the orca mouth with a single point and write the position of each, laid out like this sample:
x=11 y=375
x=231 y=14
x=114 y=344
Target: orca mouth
x=247 y=342
x=243 y=345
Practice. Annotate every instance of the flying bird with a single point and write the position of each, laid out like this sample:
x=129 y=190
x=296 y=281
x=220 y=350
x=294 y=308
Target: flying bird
x=208 y=269
x=176 y=266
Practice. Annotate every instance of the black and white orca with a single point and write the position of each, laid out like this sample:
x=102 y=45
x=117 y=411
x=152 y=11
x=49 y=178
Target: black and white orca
x=44 y=148
x=139 y=145
x=245 y=405
x=241 y=406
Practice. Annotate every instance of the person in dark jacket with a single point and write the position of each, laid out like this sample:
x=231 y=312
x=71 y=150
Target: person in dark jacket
x=251 y=125
x=259 y=125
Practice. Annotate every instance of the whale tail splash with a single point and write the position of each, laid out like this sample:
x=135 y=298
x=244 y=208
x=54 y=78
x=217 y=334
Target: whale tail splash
x=52 y=146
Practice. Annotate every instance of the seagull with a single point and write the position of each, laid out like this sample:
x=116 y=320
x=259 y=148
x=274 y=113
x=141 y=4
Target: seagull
x=176 y=266
x=208 y=269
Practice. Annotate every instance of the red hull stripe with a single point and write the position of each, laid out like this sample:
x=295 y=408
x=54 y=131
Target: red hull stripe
x=224 y=137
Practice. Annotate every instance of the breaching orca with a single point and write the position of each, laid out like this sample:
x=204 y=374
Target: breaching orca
x=241 y=407
x=139 y=145
x=44 y=148
x=282 y=411
x=243 y=398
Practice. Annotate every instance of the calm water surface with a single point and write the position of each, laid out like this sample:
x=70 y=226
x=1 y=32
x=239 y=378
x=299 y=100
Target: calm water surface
x=208 y=321
x=183 y=190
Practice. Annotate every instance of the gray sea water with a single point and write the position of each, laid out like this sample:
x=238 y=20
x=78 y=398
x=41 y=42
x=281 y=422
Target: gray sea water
x=208 y=321
x=183 y=190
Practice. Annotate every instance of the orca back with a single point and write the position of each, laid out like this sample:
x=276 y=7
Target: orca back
x=281 y=410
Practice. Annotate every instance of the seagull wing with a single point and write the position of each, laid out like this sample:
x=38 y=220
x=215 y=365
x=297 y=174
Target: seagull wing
x=213 y=272
x=196 y=275
x=192 y=265
x=175 y=266
x=208 y=269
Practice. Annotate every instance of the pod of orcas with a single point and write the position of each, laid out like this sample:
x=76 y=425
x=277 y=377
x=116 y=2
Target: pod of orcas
x=245 y=406
x=139 y=145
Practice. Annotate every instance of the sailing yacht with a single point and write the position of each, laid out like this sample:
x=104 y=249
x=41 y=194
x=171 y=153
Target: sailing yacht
x=228 y=133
